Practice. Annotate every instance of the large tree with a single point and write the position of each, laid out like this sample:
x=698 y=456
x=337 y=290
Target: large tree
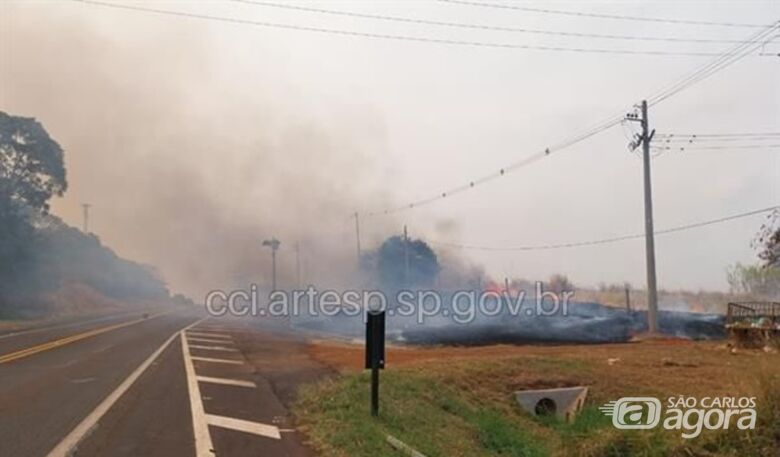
x=31 y=172
x=32 y=169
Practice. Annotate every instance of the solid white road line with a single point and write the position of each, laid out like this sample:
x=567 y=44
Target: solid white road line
x=203 y=445
x=209 y=335
x=227 y=382
x=213 y=348
x=65 y=447
x=270 y=431
x=208 y=340
x=211 y=359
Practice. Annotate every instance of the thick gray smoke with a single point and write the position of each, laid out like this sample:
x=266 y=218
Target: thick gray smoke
x=185 y=169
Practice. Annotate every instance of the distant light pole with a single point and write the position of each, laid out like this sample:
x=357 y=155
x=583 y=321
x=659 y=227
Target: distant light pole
x=298 y=264
x=86 y=207
x=273 y=243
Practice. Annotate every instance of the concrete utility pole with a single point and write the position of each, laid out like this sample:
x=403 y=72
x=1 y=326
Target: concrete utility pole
x=86 y=207
x=628 y=297
x=298 y=264
x=273 y=243
x=652 y=288
x=406 y=257
x=357 y=235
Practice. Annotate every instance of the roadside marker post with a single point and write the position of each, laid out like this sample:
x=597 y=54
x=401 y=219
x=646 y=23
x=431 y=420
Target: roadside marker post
x=375 y=354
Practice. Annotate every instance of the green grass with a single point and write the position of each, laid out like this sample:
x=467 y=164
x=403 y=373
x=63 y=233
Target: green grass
x=427 y=415
x=500 y=436
x=447 y=414
x=763 y=441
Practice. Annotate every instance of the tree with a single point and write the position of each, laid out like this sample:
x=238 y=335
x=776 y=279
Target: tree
x=32 y=169
x=768 y=241
x=31 y=172
x=754 y=279
x=423 y=265
x=762 y=279
x=559 y=284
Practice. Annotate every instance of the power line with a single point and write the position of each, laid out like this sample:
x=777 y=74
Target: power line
x=716 y=140
x=726 y=59
x=600 y=15
x=716 y=136
x=463 y=25
x=695 y=140
x=746 y=146
x=731 y=56
x=544 y=247
x=667 y=142
x=407 y=38
x=528 y=160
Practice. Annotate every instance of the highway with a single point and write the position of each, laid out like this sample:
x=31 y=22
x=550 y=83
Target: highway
x=166 y=384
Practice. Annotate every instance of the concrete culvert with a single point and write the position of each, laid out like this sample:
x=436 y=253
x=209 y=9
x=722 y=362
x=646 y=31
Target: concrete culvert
x=545 y=407
x=563 y=402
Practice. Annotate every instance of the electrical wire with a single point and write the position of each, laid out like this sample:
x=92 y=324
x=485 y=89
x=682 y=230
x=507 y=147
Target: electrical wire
x=745 y=146
x=528 y=160
x=677 y=141
x=715 y=136
x=407 y=38
x=599 y=15
x=545 y=247
x=722 y=61
x=726 y=59
x=463 y=25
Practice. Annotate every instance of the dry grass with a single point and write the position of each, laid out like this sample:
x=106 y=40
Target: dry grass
x=651 y=367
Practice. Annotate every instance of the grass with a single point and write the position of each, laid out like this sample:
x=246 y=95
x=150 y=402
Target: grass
x=763 y=441
x=433 y=418
x=463 y=406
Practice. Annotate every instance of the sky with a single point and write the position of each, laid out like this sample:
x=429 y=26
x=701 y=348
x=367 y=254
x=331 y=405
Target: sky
x=196 y=139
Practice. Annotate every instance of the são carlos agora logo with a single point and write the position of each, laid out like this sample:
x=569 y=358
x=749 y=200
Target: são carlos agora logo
x=688 y=414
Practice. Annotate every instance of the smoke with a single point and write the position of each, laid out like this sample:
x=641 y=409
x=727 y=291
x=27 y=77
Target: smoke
x=585 y=323
x=189 y=165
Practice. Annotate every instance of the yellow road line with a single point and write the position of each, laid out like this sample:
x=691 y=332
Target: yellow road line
x=69 y=339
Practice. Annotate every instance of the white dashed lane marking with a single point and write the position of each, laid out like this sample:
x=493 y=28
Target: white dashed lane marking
x=227 y=382
x=202 y=420
x=209 y=335
x=208 y=340
x=213 y=348
x=214 y=360
x=270 y=431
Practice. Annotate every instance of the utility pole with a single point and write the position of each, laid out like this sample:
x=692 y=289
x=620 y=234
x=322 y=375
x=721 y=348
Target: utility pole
x=86 y=207
x=298 y=264
x=652 y=289
x=273 y=243
x=628 y=297
x=357 y=235
x=406 y=257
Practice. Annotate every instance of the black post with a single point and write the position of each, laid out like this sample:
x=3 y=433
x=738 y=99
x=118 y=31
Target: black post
x=374 y=387
x=375 y=354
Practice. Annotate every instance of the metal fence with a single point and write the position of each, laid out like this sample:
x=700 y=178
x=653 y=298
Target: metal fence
x=754 y=314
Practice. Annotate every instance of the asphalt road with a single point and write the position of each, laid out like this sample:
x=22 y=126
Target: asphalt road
x=171 y=384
